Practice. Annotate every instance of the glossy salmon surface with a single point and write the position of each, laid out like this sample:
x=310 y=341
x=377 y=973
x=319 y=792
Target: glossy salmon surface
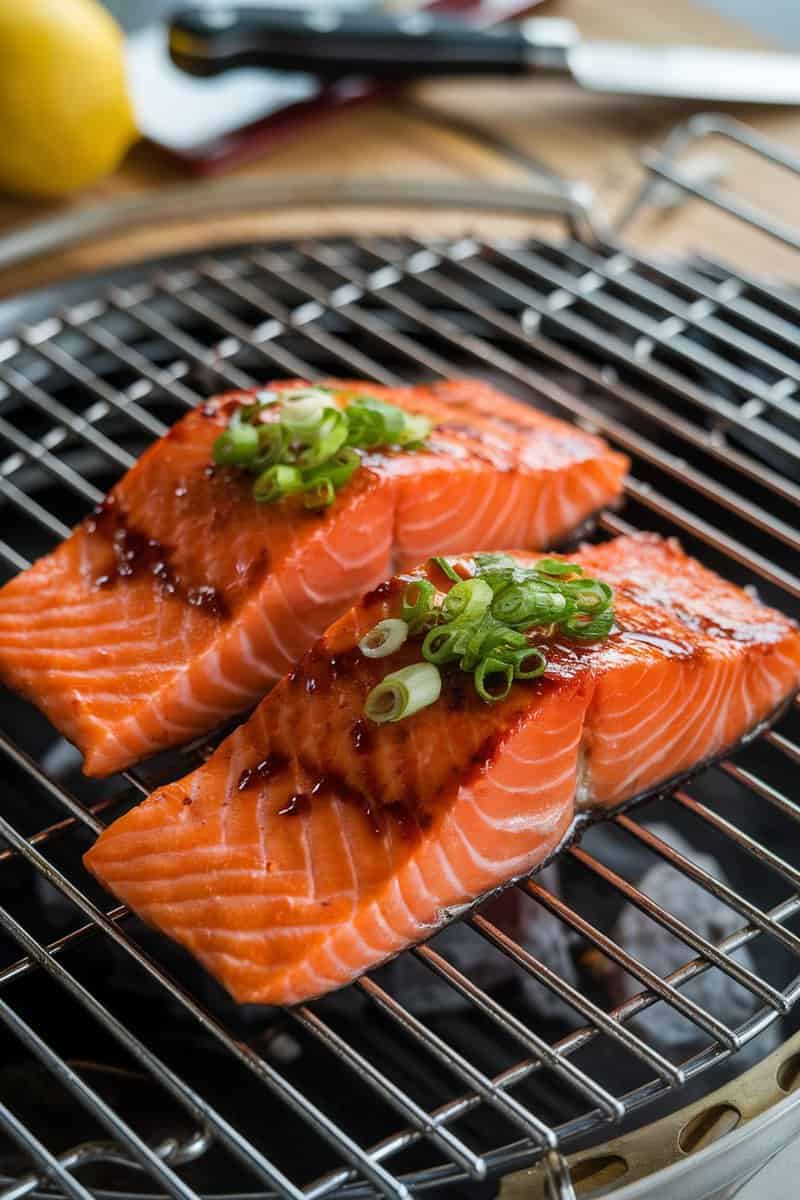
x=182 y=599
x=315 y=844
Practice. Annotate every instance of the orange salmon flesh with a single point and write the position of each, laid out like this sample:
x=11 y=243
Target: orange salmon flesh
x=315 y=844
x=182 y=600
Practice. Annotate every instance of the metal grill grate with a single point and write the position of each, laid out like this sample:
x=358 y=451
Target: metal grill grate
x=690 y=368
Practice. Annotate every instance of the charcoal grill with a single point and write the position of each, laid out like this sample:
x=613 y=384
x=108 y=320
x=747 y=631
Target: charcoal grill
x=123 y=1070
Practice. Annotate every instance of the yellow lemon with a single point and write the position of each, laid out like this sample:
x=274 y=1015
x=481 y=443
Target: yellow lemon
x=65 y=116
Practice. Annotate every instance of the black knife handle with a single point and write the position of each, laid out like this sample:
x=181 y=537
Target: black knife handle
x=331 y=44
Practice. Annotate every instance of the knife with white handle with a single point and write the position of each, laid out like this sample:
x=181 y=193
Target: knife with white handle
x=333 y=44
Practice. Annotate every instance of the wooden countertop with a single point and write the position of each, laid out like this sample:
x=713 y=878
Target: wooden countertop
x=580 y=135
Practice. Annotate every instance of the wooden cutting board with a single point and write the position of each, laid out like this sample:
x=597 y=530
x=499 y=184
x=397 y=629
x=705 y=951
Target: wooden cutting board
x=581 y=135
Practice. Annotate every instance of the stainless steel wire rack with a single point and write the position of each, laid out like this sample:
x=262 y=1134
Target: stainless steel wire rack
x=123 y=1070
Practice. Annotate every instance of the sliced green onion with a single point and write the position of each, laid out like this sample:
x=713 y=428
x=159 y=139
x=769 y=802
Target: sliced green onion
x=342 y=464
x=417 y=603
x=445 y=567
x=495 y=562
x=500 y=639
x=486 y=670
x=530 y=655
x=498 y=570
x=479 y=634
x=530 y=603
x=384 y=638
x=300 y=396
x=467 y=600
x=415 y=430
x=364 y=428
x=311 y=441
x=589 y=595
x=403 y=693
x=261 y=400
x=272 y=443
x=589 y=628
x=277 y=482
x=497 y=580
x=445 y=643
x=338 y=468
x=557 y=568
x=392 y=418
x=236 y=446
x=488 y=622
x=304 y=417
x=319 y=494
x=326 y=439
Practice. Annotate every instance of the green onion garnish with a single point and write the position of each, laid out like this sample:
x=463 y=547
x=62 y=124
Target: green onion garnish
x=482 y=634
x=276 y=482
x=587 y=628
x=365 y=428
x=318 y=444
x=391 y=417
x=319 y=493
x=384 y=638
x=528 y=662
x=493 y=678
x=530 y=603
x=417 y=604
x=403 y=692
x=485 y=624
x=338 y=468
x=445 y=643
x=415 y=431
x=445 y=567
x=236 y=446
x=557 y=568
x=303 y=417
x=272 y=443
x=589 y=595
x=327 y=437
x=467 y=600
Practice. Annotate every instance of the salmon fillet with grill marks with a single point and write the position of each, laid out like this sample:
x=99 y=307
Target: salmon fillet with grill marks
x=314 y=844
x=182 y=600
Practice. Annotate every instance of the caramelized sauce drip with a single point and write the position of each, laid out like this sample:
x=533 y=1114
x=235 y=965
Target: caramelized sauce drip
x=487 y=751
x=296 y=805
x=262 y=771
x=407 y=817
x=382 y=592
x=361 y=737
x=333 y=781
x=410 y=823
x=318 y=669
x=134 y=553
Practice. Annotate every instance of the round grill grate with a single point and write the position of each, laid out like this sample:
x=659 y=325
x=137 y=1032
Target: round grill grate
x=539 y=1021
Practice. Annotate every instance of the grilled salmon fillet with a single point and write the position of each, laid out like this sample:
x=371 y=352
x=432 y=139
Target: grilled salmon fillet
x=315 y=844
x=181 y=599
